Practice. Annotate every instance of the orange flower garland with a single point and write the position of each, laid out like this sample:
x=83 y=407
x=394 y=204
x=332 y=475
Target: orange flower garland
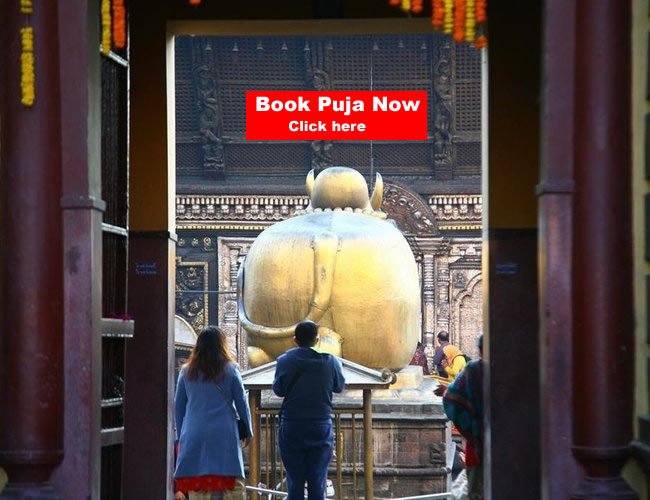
x=416 y=6
x=119 y=24
x=481 y=11
x=480 y=42
x=481 y=18
x=459 y=20
x=437 y=13
x=463 y=19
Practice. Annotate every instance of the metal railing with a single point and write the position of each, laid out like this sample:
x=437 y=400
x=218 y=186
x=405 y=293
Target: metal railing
x=346 y=470
x=276 y=493
x=348 y=458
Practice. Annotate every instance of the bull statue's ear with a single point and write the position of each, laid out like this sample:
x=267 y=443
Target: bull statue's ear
x=309 y=183
x=377 y=193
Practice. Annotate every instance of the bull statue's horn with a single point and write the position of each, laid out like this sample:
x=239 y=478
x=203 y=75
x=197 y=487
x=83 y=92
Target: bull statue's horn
x=377 y=193
x=309 y=183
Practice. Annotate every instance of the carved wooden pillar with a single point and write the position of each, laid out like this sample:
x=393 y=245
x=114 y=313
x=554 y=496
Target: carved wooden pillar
x=231 y=253
x=428 y=302
x=83 y=212
x=603 y=344
x=31 y=260
x=560 y=471
x=230 y=312
x=442 y=294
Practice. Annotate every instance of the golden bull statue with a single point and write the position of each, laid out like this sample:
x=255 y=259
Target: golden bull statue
x=340 y=264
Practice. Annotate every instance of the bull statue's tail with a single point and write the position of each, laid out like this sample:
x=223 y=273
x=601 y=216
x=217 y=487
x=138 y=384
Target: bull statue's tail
x=325 y=246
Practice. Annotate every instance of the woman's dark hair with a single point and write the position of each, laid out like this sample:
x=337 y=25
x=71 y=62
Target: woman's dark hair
x=209 y=356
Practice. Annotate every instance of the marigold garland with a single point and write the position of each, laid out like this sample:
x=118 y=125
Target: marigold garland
x=480 y=42
x=481 y=11
x=106 y=26
x=448 y=22
x=119 y=24
x=463 y=19
x=459 y=20
x=416 y=6
x=26 y=7
x=470 y=21
x=27 y=73
x=437 y=13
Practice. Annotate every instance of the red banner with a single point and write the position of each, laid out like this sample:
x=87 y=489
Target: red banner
x=340 y=115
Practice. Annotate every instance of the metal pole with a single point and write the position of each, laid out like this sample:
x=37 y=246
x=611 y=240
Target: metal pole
x=367 y=444
x=355 y=483
x=266 y=490
x=339 y=456
x=254 y=457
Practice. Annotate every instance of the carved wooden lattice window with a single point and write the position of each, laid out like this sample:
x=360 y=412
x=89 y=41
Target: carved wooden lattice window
x=213 y=74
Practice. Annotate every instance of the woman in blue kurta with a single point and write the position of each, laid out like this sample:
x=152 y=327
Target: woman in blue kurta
x=209 y=452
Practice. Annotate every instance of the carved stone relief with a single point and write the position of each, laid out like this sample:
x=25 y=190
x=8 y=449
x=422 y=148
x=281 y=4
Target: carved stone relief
x=443 y=101
x=449 y=211
x=237 y=209
x=438 y=454
x=442 y=294
x=231 y=252
x=428 y=292
x=408 y=210
x=210 y=115
x=205 y=243
x=454 y=211
x=467 y=317
x=318 y=65
x=191 y=292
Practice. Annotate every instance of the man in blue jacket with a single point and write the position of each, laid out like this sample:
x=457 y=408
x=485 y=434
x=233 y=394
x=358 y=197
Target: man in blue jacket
x=306 y=379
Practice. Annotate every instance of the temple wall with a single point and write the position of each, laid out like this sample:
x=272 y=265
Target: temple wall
x=215 y=233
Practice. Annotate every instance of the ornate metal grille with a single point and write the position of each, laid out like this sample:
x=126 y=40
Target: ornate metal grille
x=114 y=141
x=185 y=93
x=214 y=73
x=114 y=181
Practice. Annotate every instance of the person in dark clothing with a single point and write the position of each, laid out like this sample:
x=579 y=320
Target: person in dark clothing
x=463 y=404
x=439 y=354
x=306 y=379
x=420 y=359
